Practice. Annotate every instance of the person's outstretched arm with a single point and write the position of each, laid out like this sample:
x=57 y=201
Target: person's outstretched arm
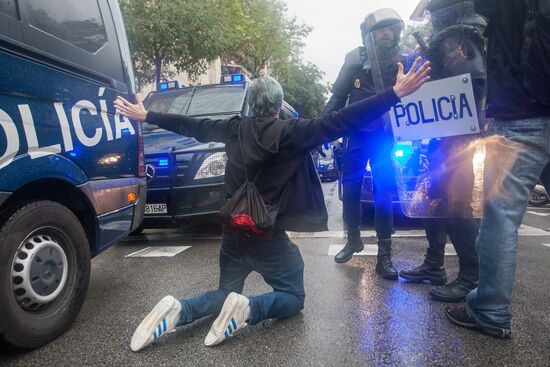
x=307 y=134
x=204 y=130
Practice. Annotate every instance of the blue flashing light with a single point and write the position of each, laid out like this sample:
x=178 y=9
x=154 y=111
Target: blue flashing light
x=233 y=78
x=173 y=84
x=163 y=162
x=73 y=154
x=402 y=153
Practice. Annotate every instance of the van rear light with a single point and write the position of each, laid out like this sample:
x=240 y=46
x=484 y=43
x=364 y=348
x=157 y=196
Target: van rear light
x=141 y=153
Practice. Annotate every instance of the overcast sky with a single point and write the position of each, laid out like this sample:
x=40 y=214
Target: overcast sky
x=336 y=27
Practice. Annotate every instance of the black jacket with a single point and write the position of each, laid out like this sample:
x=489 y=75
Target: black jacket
x=353 y=84
x=281 y=148
x=505 y=96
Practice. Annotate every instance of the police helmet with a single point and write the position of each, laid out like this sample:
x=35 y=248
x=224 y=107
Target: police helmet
x=379 y=19
x=445 y=13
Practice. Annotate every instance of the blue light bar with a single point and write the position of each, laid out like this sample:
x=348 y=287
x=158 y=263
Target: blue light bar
x=233 y=78
x=164 y=86
x=163 y=162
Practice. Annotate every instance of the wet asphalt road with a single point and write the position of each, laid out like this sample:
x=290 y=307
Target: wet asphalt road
x=351 y=318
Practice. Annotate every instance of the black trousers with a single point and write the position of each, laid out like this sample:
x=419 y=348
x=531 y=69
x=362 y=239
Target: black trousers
x=463 y=234
x=375 y=149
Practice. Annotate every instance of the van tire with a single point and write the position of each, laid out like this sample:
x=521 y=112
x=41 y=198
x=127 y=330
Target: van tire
x=56 y=235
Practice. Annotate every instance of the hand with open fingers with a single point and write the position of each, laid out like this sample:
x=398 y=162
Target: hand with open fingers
x=132 y=111
x=409 y=83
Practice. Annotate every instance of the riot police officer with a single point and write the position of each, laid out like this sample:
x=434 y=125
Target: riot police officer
x=455 y=47
x=354 y=83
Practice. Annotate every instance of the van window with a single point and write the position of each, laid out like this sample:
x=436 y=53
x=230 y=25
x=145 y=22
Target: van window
x=77 y=22
x=10 y=8
x=172 y=102
x=213 y=100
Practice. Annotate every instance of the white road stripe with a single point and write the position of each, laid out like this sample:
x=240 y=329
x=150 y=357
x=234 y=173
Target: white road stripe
x=538 y=213
x=165 y=251
x=372 y=250
x=546 y=244
x=524 y=230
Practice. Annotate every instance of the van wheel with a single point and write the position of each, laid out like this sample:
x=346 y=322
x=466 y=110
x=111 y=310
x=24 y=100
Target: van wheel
x=44 y=273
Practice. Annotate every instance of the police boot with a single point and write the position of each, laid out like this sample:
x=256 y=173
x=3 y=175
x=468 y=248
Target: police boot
x=431 y=270
x=384 y=266
x=458 y=289
x=354 y=244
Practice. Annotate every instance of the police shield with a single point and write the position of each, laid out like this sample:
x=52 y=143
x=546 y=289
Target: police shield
x=438 y=157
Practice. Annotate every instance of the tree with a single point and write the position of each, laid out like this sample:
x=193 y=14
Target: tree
x=262 y=33
x=183 y=33
x=303 y=87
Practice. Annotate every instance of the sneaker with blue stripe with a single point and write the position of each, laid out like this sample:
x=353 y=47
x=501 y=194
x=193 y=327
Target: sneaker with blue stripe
x=230 y=319
x=162 y=319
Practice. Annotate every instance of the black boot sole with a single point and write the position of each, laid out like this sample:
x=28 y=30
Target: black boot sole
x=439 y=297
x=348 y=258
x=422 y=279
x=387 y=276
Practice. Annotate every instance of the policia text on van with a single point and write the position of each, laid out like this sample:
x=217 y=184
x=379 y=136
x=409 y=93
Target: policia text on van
x=71 y=170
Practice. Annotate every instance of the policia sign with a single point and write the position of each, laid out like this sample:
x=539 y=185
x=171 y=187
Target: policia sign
x=441 y=108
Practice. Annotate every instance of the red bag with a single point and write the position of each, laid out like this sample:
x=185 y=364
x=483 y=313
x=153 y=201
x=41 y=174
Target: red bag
x=246 y=209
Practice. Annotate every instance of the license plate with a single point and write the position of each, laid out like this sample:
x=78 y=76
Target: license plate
x=156 y=209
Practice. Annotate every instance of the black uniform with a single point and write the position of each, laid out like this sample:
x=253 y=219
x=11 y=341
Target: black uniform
x=456 y=47
x=353 y=84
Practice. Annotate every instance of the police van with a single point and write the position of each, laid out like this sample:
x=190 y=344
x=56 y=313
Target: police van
x=186 y=177
x=72 y=172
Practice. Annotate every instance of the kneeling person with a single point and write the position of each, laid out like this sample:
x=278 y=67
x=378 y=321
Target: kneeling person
x=277 y=152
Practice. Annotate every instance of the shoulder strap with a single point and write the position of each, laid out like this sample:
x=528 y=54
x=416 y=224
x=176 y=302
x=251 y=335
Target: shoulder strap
x=242 y=155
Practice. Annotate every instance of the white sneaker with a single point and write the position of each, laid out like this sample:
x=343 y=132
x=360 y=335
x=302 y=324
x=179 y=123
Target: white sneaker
x=230 y=319
x=161 y=320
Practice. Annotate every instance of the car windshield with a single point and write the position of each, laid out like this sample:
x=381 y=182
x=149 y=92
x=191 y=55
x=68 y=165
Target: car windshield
x=219 y=101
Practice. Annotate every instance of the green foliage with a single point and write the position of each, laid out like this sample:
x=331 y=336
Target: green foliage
x=303 y=87
x=263 y=34
x=183 y=33
x=189 y=33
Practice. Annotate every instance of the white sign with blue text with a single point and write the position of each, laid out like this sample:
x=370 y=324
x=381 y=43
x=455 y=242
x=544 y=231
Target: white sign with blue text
x=441 y=108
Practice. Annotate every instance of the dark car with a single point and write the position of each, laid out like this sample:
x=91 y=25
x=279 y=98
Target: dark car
x=410 y=159
x=326 y=163
x=186 y=177
x=72 y=174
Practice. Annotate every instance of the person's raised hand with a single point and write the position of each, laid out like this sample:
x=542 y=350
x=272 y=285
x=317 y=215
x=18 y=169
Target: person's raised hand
x=409 y=83
x=133 y=111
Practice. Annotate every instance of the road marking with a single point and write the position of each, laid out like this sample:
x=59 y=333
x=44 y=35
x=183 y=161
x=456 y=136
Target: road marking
x=341 y=234
x=546 y=244
x=165 y=251
x=524 y=230
x=539 y=214
x=372 y=250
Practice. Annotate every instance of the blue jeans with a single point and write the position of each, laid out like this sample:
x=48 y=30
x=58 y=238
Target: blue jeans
x=489 y=304
x=279 y=262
